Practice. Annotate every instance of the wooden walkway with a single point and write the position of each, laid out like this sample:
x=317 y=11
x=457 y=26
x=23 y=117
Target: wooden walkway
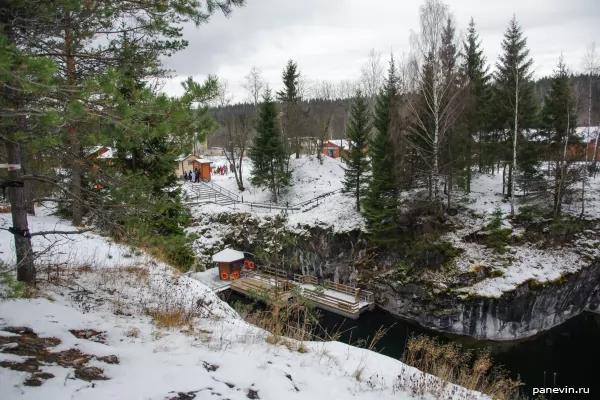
x=340 y=299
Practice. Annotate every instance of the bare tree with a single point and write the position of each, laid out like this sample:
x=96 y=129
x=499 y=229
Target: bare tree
x=346 y=89
x=326 y=93
x=254 y=84
x=372 y=75
x=239 y=127
x=434 y=111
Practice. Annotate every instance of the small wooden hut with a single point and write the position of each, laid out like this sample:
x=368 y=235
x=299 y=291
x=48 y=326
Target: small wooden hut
x=230 y=263
x=205 y=170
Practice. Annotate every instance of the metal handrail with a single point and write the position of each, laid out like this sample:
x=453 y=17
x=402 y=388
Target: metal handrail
x=316 y=199
x=221 y=189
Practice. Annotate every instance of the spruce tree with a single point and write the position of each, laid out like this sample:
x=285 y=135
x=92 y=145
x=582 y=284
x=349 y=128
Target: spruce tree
x=559 y=119
x=380 y=204
x=514 y=98
x=267 y=151
x=357 y=163
x=290 y=100
x=476 y=75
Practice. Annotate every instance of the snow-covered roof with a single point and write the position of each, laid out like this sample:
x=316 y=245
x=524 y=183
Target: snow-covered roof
x=343 y=143
x=228 y=255
x=109 y=153
x=184 y=156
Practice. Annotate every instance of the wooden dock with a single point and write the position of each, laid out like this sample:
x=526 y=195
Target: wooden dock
x=340 y=299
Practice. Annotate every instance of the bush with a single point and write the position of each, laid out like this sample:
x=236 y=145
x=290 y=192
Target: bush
x=430 y=251
x=528 y=214
x=450 y=363
x=566 y=226
x=498 y=238
x=10 y=288
x=175 y=250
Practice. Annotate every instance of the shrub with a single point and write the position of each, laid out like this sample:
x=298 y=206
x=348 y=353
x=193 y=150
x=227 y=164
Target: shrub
x=430 y=251
x=10 y=288
x=566 y=226
x=450 y=363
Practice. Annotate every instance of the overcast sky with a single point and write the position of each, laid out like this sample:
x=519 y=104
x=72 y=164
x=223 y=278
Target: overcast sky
x=330 y=39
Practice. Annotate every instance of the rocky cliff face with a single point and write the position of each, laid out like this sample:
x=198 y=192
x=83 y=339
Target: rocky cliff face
x=516 y=315
x=345 y=258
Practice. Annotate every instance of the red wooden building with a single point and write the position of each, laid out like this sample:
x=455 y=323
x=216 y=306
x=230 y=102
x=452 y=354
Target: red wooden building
x=230 y=263
x=337 y=148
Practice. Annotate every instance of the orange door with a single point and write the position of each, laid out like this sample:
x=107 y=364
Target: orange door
x=205 y=172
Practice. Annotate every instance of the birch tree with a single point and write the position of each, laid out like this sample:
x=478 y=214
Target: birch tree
x=254 y=84
x=559 y=120
x=514 y=91
x=434 y=109
x=372 y=75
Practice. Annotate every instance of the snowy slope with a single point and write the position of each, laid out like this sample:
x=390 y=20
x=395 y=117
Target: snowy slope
x=217 y=355
x=521 y=263
x=310 y=179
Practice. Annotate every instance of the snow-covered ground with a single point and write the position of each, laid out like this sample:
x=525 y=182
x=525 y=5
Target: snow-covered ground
x=108 y=295
x=310 y=179
x=520 y=264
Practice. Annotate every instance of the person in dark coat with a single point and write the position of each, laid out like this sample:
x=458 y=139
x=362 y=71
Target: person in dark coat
x=185 y=176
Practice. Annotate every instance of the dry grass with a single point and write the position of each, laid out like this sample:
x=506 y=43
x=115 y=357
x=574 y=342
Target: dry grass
x=171 y=318
x=450 y=363
x=139 y=273
x=132 y=332
x=360 y=369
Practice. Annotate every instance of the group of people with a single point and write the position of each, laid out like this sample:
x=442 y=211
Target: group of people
x=194 y=176
x=191 y=176
x=224 y=170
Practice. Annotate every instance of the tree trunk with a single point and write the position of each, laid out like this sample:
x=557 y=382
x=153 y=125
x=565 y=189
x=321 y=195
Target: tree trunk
x=358 y=191
x=29 y=192
x=514 y=160
x=595 y=153
x=16 y=195
x=469 y=158
x=16 y=191
x=436 y=150
x=563 y=172
x=77 y=209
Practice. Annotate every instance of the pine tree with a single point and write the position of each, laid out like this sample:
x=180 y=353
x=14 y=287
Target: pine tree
x=475 y=72
x=514 y=96
x=357 y=163
x=559 y=118
x=453 y=145
x=290 y=100
x=267 y=151
x=380 y=204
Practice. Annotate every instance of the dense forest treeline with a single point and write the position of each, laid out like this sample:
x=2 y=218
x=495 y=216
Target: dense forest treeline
x=341 y=106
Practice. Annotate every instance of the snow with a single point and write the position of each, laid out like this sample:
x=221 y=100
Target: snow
x=211 y=279
x=109 y=153
x=116 y=295
x=310 y=179
x=227 y=256
x=522 y=262
x=337 y=212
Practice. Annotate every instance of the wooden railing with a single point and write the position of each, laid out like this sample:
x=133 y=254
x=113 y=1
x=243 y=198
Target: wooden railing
x=363 y=295
x=273 y=271
x=331 y=301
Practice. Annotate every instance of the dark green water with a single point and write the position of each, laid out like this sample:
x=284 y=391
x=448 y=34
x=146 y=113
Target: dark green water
x=571 y=350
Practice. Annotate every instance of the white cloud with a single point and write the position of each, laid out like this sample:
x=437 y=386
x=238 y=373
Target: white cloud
x=330 y=39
